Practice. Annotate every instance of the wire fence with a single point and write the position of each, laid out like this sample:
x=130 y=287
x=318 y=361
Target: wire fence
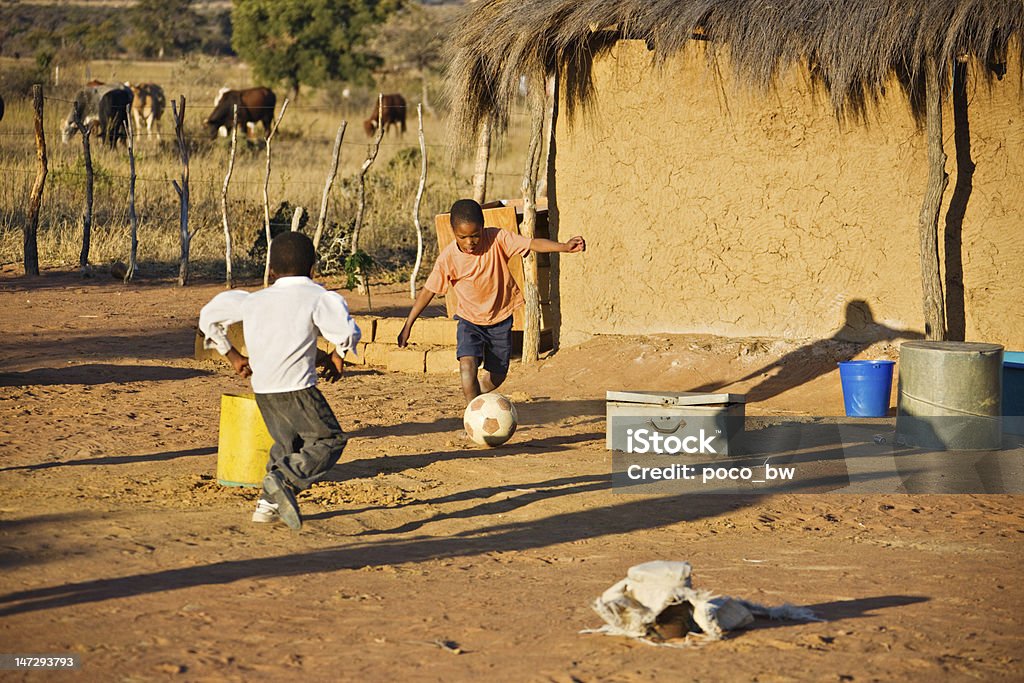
x=297 y=177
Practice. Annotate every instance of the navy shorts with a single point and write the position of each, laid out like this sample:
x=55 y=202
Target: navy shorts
x=493 y=343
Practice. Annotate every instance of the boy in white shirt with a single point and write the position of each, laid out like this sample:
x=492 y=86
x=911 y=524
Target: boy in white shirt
x=280 y=325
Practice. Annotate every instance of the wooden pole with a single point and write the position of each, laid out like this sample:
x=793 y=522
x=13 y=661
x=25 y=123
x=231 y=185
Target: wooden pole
x=531 y=330
x=178 y=109
x=366 y=286
x=424 y=90
x=86 y=131
x=371 y=155
x=551 y=106
x=224 y=198
x=266 y=196
x=297 y=218
x=322 y=218
x=416 y=207
x=483 y=160
x=31 y=229
x=931 y=280
x=133 y=218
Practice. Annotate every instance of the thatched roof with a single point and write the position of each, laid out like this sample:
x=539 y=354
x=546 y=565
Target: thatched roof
x=851 y=47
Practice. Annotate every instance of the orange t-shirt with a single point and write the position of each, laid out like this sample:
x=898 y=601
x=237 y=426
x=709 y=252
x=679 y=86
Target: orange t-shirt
x=483 y=284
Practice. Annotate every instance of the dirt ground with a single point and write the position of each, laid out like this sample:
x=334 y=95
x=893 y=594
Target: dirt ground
x=424 y=558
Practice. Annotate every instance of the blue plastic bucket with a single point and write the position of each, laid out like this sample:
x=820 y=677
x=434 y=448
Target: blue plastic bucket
x=867 y=386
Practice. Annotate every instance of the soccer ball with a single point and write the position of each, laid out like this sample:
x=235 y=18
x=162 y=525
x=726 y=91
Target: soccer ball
x=490 y=419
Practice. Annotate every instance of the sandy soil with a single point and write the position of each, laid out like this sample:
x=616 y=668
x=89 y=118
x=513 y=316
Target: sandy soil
x=119 y=545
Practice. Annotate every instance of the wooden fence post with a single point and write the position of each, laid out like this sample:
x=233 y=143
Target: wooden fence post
x=266 y=193
x=31 y=229
x=322 y=218
x=416 y=208
x=483 y=160
x=224 y=198
x=371 y=155
x=182 y=188
x=531 y=330
x=297 y=218
x=83 y=257
x=133 y=218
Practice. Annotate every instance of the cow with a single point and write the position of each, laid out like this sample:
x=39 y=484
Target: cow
x=393 y=115
x=1 y=109
x=255 y=105
x=148 y=104
x=106 y=104
x=222 y=131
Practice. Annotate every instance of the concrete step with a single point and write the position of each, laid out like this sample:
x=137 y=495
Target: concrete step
x=433 y=350
x=426 y=331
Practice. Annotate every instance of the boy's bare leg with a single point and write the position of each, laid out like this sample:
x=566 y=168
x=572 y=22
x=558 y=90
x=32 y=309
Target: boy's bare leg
x=489 y=381
x=470 y=384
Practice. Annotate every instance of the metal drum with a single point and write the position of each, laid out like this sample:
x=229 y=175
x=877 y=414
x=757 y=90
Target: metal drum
x=950 y=395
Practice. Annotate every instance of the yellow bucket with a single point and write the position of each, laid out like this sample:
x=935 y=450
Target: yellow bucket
x=243 y=447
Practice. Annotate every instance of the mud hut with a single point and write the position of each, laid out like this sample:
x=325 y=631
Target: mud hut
x=755 y=168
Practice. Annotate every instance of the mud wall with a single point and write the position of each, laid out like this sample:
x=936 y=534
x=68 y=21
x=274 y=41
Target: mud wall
x=711 y=209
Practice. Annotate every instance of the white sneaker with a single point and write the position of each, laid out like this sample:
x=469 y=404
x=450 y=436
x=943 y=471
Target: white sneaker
x=265 y=511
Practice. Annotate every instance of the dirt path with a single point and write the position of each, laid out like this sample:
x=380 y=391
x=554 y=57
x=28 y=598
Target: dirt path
x=119 y=545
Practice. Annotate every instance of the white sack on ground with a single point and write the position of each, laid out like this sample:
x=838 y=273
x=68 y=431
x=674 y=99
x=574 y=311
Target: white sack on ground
x=632 y=606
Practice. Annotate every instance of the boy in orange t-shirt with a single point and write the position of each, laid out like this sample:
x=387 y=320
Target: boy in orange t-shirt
x=475 y=265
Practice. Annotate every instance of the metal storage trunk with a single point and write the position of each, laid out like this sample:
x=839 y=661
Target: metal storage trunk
x=696 y=423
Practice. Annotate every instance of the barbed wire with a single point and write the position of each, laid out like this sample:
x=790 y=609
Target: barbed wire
x=62 y=171
x=141 y=136
x=291 y=106
x=142 y=140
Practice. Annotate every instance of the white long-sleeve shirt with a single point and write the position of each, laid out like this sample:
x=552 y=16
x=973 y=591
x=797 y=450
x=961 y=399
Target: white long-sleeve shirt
x=280 y=324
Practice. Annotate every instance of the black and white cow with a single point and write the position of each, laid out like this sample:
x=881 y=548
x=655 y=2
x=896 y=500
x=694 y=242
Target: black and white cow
x=108 y=106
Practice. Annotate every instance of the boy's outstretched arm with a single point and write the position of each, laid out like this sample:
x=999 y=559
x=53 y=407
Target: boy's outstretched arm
x=546 y=246
x=423 y=299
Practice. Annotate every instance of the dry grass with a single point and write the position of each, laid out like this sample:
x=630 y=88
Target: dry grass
x=301 y=158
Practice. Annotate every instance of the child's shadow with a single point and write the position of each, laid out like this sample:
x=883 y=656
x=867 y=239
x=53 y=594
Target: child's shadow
x=810 y=361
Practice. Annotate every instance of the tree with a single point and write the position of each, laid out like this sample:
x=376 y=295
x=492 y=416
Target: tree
x=100 y=41
x=308 y=41
x=412 y=41
x=164 y=26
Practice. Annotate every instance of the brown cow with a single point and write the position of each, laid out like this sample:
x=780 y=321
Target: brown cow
x=254 y=105
x=393 y=115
